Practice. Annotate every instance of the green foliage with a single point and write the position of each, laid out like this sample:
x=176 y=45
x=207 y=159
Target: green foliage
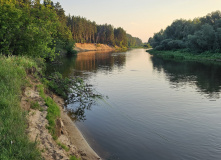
x=134 y=41
x=66 y=148
x=186 y=55
x=69 y=47
x=23 y=33
x=74 y=158
x=147 y=45
x=199 y=35
x=13 y=139
x=35 y=105
x=53 y=111
x=202 y=40
x=105 y=34
x=120 y=37
x=85 y=31
x=33 y=29
x=59 y=85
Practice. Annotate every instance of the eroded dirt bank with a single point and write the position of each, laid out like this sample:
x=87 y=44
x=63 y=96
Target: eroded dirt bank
x=68 y=134
x=82 y=47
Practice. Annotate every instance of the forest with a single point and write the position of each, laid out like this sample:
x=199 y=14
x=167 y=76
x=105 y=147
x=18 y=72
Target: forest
x=198 y=35
x=32 y=32
x=86 y=31
x=29 y=27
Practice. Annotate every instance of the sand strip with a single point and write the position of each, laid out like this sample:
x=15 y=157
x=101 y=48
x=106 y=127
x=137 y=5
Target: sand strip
x=69 y=135
x=75 y=136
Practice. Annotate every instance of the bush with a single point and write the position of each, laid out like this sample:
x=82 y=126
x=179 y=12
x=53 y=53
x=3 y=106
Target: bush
x=59 y=85
x=70 y=48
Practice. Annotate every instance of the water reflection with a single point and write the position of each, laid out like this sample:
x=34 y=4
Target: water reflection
x=65 y=66
x=82 y=66
x=91 y=61
x=94 y=61
x=143 y=116
x=80 y=100
x=205 y=76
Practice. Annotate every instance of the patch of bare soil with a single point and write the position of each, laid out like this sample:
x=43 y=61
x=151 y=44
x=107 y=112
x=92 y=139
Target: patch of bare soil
x=68 y=134
x=82 y=47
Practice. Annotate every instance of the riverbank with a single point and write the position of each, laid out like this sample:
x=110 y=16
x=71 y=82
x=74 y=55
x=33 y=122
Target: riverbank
x=184 y=55
x=69 y=144
x=25 y=120
x=14 y=141
x=82 y=47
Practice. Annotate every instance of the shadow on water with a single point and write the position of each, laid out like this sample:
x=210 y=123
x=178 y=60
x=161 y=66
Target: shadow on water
x=206 y=76
x=82 y=65
x=83 y=62
x=141 y=125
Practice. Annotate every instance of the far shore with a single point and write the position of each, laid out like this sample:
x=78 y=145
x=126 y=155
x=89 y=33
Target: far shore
x=186 y=56
x=83 y=47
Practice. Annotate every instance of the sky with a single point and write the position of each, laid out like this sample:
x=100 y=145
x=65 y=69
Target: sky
x=140 y=18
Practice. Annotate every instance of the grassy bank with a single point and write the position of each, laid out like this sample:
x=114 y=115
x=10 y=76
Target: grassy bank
x=14 y=141
x=53 y=112
x=184 y=55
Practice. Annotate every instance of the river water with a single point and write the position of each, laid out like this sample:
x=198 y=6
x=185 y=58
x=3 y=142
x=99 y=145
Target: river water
x=152 y=109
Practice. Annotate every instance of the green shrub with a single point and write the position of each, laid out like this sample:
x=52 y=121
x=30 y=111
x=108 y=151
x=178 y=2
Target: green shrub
x=59 y=85
x=35 y=105
x=74 y=158
x=66 y=148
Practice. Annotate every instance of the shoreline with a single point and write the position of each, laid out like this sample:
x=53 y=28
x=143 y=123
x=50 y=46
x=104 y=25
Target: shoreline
x=186 y=56
x=70 y=142
x=75 y=135
x=83 y=47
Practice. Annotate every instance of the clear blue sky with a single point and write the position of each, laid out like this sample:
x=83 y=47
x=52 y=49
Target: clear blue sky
x=140 y=18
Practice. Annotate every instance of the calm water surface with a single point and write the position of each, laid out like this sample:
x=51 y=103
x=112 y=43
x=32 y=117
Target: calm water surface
x=152 y=109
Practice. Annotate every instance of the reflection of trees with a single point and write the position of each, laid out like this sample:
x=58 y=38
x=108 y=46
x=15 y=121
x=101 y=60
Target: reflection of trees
x=81 y=98
x=207 y=77
x=64 y=66
x=93 y=61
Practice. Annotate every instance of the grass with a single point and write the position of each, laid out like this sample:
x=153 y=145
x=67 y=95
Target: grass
x=14 y=143
x=35 y=105
x=53 y=111
x=74 y=158
x=185 y=55
x=66 y=148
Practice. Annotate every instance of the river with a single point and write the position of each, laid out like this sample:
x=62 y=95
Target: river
x=152 y=109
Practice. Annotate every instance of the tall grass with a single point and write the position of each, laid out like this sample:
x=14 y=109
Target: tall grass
x=14 y=142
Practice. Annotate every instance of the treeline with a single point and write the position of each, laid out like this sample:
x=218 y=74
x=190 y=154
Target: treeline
x=134 y=41
x=197 y=35
x=86 y=31
x=28 y=27
x=31 y=28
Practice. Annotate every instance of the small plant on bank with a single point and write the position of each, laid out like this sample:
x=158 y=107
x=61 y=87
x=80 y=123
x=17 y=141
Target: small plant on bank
x=66 y=148
x=53 y=112
x=74 y=158
x=35 y=105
